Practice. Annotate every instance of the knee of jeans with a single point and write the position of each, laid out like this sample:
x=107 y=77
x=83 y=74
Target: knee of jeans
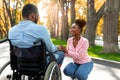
x=59 y=54
x=67 y=72
x=81 y=76
x=62 y=54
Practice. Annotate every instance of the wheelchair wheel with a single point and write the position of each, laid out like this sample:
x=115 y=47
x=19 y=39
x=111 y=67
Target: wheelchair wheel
x=53 y=72
x=7 y=74
x=5 y=71
x=4 y=66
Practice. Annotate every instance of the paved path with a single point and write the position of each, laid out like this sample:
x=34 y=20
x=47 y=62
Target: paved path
x=99 y=72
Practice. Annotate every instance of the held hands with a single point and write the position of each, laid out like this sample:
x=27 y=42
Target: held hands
x=62 y=48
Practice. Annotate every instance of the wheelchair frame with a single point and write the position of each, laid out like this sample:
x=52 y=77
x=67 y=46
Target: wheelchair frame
x=52 y=72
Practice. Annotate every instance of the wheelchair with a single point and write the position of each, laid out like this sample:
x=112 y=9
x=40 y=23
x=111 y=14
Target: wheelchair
x=32 y=67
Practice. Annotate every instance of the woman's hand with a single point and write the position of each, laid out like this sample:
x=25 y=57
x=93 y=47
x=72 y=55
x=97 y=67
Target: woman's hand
x=60 y=48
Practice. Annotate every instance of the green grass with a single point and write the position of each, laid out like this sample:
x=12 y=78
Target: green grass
x=59 y=42
x=94 y=51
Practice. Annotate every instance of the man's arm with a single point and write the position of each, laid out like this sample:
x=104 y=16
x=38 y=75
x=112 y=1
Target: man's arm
x=49 y=44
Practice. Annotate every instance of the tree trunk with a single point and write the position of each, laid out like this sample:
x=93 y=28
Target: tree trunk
x=92 y=19
x=63 y=19
x=110 y=29
x=7 y=5
x=57 y=22
x=72 y=11
x=65 y=27
x=53 y=18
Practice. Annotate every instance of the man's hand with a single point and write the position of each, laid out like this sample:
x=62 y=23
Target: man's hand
x=62 y=48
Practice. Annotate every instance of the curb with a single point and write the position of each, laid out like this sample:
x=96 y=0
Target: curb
x=110 y=63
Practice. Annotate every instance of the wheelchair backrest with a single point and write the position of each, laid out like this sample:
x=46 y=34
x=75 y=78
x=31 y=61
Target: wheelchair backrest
x=28 y=60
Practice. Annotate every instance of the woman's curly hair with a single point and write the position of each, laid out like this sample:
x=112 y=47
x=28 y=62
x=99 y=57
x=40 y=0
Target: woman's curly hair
x=81 y=23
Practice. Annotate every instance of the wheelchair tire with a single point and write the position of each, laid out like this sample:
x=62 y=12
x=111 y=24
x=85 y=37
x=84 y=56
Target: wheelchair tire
x=8 y=76
x=4 y=66
x=53 y=72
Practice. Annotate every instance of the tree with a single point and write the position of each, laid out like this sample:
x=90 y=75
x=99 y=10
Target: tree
x=92 y=19
x=110 y=29
x=72 y=10
x=64 y=10
x=10 y=14
x=53 y=18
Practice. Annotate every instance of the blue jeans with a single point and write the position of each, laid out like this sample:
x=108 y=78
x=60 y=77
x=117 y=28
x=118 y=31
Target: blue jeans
x=59 y=55
x=79 y=71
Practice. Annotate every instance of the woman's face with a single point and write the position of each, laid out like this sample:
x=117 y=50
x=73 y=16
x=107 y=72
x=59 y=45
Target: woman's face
x=75 y=30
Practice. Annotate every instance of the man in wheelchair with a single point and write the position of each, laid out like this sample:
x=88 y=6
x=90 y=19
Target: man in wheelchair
x=31 y=44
